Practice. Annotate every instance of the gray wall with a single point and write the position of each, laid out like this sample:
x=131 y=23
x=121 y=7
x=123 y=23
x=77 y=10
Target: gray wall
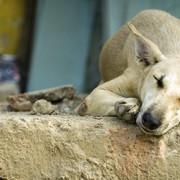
x=61 y=43
x=63 y=31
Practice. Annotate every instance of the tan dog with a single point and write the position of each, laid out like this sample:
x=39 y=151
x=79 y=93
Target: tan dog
x=140 y=67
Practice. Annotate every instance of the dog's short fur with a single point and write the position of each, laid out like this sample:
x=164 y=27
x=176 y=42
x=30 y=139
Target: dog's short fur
x=140 y=68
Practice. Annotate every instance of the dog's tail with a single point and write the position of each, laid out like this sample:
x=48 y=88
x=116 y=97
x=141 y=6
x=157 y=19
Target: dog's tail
x=133 y=29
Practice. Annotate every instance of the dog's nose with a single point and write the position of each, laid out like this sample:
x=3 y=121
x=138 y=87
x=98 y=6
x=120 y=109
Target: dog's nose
x=150 y=122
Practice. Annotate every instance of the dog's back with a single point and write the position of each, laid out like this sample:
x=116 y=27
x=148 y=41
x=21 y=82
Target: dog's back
x=157 y=26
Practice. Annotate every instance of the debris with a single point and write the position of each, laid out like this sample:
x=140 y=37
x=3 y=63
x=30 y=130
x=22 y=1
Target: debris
x=23 y=102
x=42 y=107
x=20 y=102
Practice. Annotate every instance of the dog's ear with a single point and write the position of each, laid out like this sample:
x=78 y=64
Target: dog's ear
x=147 y=53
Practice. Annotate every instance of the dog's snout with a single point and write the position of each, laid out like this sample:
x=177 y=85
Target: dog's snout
x=150 y=122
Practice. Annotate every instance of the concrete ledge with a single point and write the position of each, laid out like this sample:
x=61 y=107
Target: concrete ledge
x=70 y=147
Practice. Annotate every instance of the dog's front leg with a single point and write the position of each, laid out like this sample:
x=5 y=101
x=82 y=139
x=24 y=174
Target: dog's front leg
x=113 y=98
x=100 y=102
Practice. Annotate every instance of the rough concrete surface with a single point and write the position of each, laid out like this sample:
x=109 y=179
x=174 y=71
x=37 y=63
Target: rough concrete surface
x=70 y=147
x=51 y=142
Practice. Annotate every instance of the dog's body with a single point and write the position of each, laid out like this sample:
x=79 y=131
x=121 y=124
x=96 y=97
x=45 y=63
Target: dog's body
x=140 y=68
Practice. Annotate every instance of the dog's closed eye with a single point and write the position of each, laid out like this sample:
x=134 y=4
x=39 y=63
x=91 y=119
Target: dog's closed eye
x=159 y=81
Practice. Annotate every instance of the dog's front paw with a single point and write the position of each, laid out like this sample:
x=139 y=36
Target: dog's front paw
x=127 y=109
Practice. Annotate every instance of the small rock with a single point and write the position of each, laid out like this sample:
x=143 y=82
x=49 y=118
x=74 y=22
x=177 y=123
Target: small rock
x=20 y=102
x=42 y=107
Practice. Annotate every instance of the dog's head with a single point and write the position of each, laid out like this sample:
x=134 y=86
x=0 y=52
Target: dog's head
x=159 y=88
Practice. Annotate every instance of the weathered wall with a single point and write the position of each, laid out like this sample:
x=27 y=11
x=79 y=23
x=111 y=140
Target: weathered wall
x=73 y=147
